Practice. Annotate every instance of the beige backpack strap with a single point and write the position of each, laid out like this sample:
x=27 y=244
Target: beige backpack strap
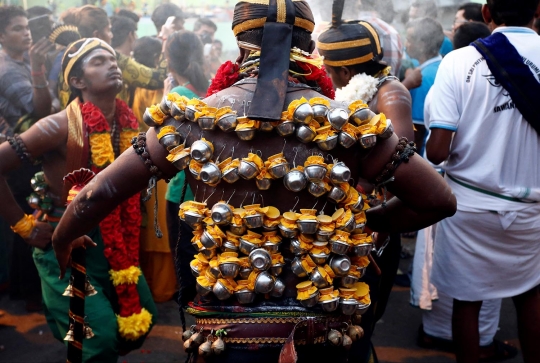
x=76 y=149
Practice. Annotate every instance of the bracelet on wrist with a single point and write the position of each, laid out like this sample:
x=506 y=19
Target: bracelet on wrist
x=24 y=226
x=41 y=86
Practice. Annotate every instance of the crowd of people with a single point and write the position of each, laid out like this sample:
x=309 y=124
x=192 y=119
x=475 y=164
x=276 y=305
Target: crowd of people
x=436 y=129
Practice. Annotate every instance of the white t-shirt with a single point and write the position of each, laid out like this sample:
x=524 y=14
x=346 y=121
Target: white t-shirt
x=493 y=148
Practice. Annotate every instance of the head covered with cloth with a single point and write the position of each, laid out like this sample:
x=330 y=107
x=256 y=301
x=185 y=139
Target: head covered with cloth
x=100 y=56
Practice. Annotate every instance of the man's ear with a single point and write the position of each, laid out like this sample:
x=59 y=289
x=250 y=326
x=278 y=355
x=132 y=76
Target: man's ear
x=537 y=13
x=77 y=83
x=345 y=74
x=95 y=34
x=486 y=14
x=311 y=46
x=243 y=54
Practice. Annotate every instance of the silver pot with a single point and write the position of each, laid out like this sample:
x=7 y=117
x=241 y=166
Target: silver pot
x=328 y=144
x=263 y=184
x=340 y=264
x=297 y=268
x=245 y=272
x=246 y=247
x=319 y=112
x=305 y=134
x=264 y=283
x=368 y=141
x=229 y=269
x=340 y=173
x=276 y=269
x=319 y=259
x=208 y=241
x=201 y=151
x=269 y=229
x=279 y=171
x=33 y=201
x=194 y=173
x=362 y=250
x=266 y=126
x=337 y=117
x=303 y=114
x=272 y=247
x=221 y=214
x=307 y=226
x=285 y=128
x=388 y=130
x=190 y=113
x=227 y=122
x=295 y=181
x=279 y=288
x=182 y=162
x=245 y=296
x=359 y=228
x=318 y=279
x=362 y=308
x=349 y=225
x=347 y=140
x=254 y=221
x=207 y=123
x=295 y=247
x=339 y=247
x=348 y=281
x=221 y=291
x=359 y=205
x=315 y=173
x=214 y=270
x=330 y=305
x=177 y=112
x=201 y=290
x=237 y=229
x=229 y=247
x=210 y=173
x=193 y=219
x=361 y=270
x=336 y=195
x=209 y=254
x=165 y=105
x=362 y=116
x=246 y=134
x=170 y=141
x=231 y=176
x=247 y=170
x=316 y=189
x=348 y=306
x=260 y=259
x=311 y=301
x=286 y=232
x=194 y=271
x=324 y=236
x=148 y=119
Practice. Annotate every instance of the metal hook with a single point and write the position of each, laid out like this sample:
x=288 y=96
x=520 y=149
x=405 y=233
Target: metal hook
x=206 y=200
x=254 y=195
x=243 y=200
x=316 y=202
x=296 y=153
x=244 y=106
x=217 y=159
x=295 y=204
x=322 y=209
x=284 y=144
x=204 y=194
x=222 y=194
x=182 y=124
x=257 y=152
x=221 y=100
x=260 y=195
x=330 y=157
x=234 y=147
x=234 y=191
x=196 y=192
x=189 y=132
x=353 y=184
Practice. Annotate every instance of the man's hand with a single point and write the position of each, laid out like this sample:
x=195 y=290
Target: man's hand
x=63 y=251
x=413 y=78
x=38 y=53
x=40 y=236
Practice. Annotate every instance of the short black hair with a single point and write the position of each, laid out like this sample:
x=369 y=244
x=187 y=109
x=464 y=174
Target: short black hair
x=472 y=11
x=36 y=11
x=163 y=11
x=146 y=49
x=128 y=14
x=121 y=27
x=469 y=32
x=429 y=31
x=9 y=12
x=428 y=8
x=204 y=21
x=511 y=12
x=300 y=38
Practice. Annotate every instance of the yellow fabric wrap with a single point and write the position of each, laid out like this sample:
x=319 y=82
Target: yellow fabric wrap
x=275 y=160
x=204 y=281
x=244 y=262
x=362 y=292
x=254 y=158
x=166 y=130
x=101 y=149
x=324 y=133
x=129 y=275
x=341 y=236
x=228 y=257
x=198 y=104
x=134 y=326
x=242 y=285
x=272 y=237
x=24 y=226
x=350 y=129
x=206 y=112
x=314 y=160
x=325 y=275
x=245 y=123
x=319 y=250
x=305 y=290
x=195 y=166
x=345 y=217
x=357 y=105
x=252 y=237
x=223 y=111
x=375 y=126
x=360 y=217
x=308 y=264
x=252 y=278
x=293 y=106
x=329 y=296
x=157 y=115
x=319 y=101
x=361 y=261
x=229 y=284
x=329 y=271
x=346 y=293
x=277 y=258
x=231 y=165
x=362 y=238
x=263 y=174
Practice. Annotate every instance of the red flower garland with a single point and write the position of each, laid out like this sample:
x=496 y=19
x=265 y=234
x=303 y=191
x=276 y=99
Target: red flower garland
x=120 y=229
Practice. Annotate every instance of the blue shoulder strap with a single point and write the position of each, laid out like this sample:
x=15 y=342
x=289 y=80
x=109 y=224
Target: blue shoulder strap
x=508 y=68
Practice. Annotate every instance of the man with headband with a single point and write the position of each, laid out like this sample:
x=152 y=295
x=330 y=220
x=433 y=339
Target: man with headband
x=93 y=130
x=268 y=286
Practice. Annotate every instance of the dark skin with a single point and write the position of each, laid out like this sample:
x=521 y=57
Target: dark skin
x=128 y=175
x=465 y=314
x=101 y=82
x=16 y=40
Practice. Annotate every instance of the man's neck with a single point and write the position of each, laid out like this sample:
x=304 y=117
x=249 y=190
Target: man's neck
x=106 y=104
x=15 y=55
x=426 y=57
x=124 y=49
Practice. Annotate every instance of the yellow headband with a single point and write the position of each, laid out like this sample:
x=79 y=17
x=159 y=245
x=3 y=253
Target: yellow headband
x=89 y=45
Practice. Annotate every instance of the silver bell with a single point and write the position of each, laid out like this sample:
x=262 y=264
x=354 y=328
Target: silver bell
x=316 y=189
x=362 y=116
x=221 y=214
x=328 y=144
x=279 y=171
x=338 y=117
x=227 y=122
x=319 y=112
x=207 y=123
x=201 y=151
x=305 y=134
x=210 y=173
x=368 y=141
x=340 y=173
x=285 y=128
x=295 y=181
x=315 y=173
x=263 y=184
x=248 y=170
x=303 y=113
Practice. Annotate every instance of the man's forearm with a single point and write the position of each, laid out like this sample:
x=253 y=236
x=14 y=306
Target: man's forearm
x=10 y=210
x=41 y=98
